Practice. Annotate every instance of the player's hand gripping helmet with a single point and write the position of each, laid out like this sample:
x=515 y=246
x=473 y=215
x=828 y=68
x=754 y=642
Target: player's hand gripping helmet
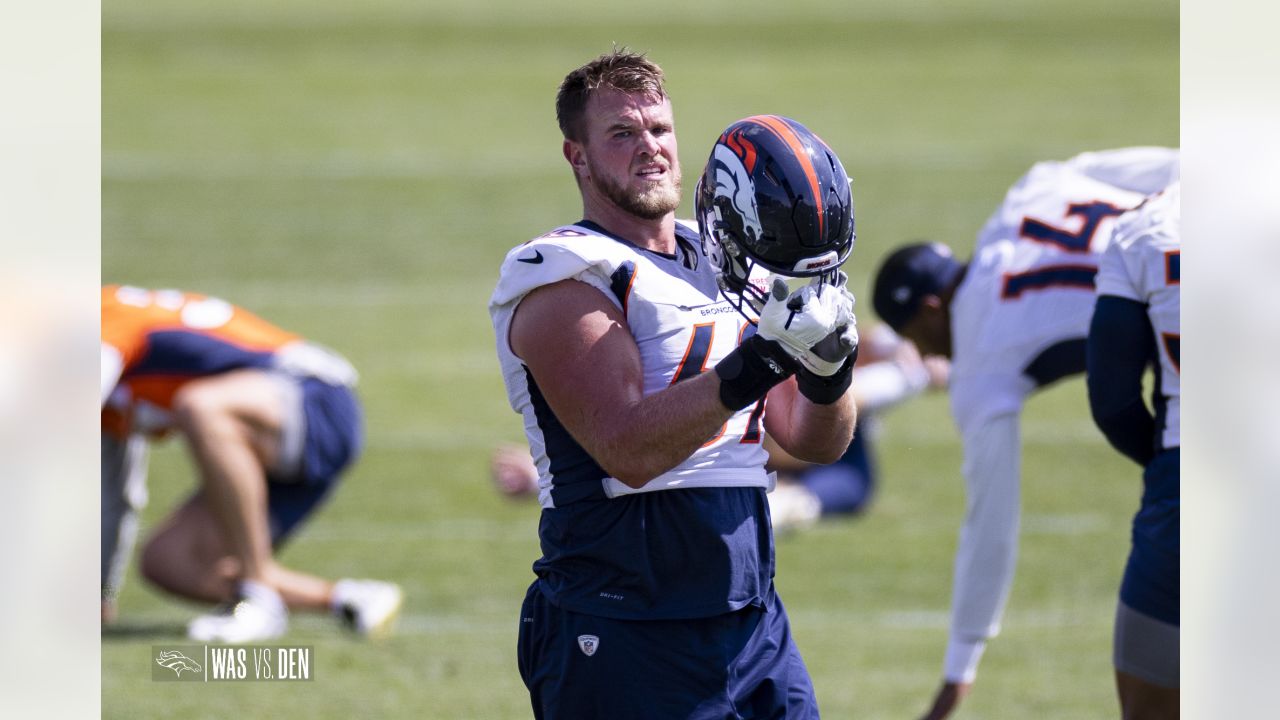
x=772 y=195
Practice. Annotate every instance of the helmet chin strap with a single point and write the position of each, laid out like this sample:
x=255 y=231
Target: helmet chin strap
x=746 y=305
x=835 y=277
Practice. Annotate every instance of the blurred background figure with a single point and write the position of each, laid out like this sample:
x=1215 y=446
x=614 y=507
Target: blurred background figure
x=1013 y=320
x=888 y=371
x=1137 y=325
x=270 y=422
x=511 y=468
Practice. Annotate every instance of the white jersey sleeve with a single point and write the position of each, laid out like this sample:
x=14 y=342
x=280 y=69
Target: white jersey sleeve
x=988 y=544
x=546 y=260
x=566 y=253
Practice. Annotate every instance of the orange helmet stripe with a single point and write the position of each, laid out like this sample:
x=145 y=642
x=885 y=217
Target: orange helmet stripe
x=788 y=135
x=743 y=148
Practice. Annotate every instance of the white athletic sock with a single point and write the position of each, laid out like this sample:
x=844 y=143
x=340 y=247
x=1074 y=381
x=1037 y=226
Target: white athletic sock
x=262 y=595
x=338 y=598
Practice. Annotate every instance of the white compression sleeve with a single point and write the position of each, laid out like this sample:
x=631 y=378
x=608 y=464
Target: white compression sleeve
x=881 y=385
x=988 y=544
x=124 y=494
x=961 y=664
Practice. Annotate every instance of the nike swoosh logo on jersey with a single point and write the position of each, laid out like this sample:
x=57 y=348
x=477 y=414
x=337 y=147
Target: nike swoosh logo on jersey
x=537 y=258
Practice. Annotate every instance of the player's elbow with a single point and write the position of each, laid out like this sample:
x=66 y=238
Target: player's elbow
x=1129 y=429
x=824 y=455
x=1107 y=418
x=197 y=405
x=826 y=448
x=820 y=451
x=624 y=463
x=630 y=470
x=634 y=450
x=632 y=479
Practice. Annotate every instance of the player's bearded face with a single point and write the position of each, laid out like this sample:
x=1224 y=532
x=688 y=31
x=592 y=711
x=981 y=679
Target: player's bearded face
x=650 y=200
x=630 y=152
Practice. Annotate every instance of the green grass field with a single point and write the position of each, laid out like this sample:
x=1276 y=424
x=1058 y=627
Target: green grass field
x=356 y=171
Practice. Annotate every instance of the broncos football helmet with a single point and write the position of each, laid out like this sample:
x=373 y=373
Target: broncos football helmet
x=773 y=195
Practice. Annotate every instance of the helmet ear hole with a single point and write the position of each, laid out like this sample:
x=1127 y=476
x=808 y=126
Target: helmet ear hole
x=834 y=162
x=771 y=173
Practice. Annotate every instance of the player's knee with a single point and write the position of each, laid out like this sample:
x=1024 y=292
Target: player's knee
x=203 y=410
x=196 y=404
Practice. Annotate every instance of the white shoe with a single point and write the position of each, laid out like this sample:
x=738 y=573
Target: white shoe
x=367 y=607
x=258 y=615
x=793 y=507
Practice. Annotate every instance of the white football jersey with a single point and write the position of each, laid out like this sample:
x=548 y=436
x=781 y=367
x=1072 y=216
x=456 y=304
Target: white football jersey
x=1029 y=285
x=682 y=327
x=1144 y=264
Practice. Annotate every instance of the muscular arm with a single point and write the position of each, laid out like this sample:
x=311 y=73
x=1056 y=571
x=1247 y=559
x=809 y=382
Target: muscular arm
x=585 y=361
x=807 y=431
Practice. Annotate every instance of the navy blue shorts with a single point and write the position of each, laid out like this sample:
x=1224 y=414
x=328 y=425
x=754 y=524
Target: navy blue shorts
x=333 y=440
x=1151 y=576
x=742 y=664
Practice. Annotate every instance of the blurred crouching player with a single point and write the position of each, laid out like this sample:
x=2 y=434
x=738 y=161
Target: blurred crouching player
x=1136 y=324
x=1013 y=319
x=270 y=421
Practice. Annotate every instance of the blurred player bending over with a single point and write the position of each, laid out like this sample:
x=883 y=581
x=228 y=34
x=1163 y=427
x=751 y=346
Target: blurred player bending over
x=643 y=396
x=1013 y=320
x=1136 y=324
x=270 y=422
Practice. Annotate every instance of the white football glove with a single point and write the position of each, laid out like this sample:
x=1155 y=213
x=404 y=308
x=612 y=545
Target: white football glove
x=828 y=355
x=802 y=319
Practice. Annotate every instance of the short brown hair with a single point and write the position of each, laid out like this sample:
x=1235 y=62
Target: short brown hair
x=620 y=70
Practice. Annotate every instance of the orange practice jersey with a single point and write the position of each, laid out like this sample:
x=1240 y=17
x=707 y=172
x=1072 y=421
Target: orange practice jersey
x=167 y=338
